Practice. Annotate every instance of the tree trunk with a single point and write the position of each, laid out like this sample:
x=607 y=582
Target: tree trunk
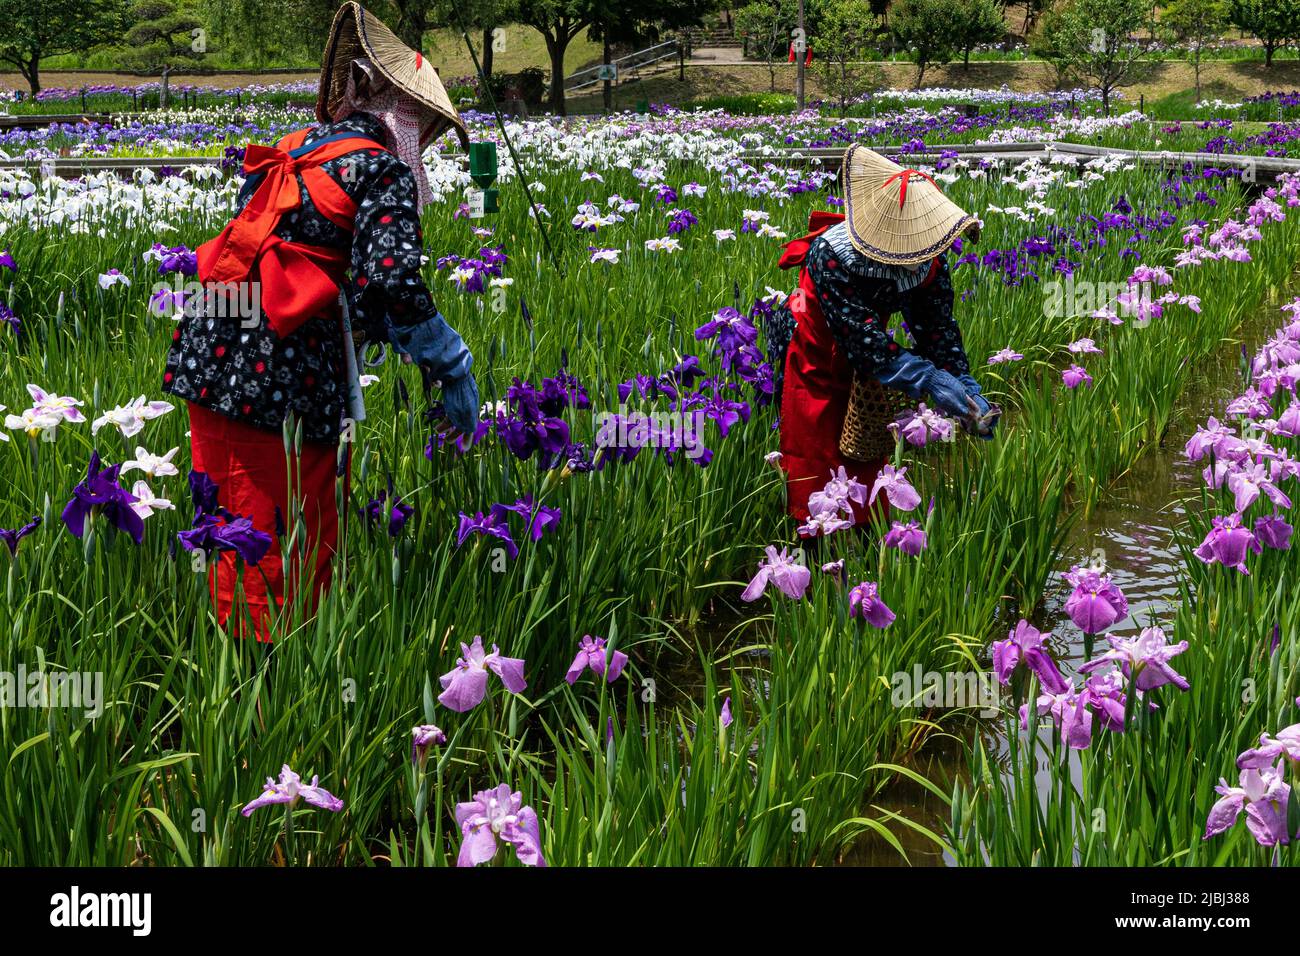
x=1196 y=66
x=920 y=74
x=487 y=52
x=33 y=73
x=555 y=45
x=966 y=58
x=1268 y=54
x=1105 y=100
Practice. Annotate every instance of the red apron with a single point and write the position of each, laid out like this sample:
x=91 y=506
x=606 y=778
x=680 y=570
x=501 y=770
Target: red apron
x=815 y=394
x=297 y=282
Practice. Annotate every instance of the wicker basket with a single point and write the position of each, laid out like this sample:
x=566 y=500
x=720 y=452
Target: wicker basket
x=872 y=407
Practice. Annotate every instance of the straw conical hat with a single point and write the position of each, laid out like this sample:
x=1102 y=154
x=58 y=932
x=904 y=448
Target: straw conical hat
x=898 y=215
x=359 y=33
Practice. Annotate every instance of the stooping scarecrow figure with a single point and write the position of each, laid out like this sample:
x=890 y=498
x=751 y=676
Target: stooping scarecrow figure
x=841 y=372
x=327 y=240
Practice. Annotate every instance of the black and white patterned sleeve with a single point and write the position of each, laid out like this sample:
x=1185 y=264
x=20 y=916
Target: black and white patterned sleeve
x=850 y=313
x=927 y=313
x=387 y=249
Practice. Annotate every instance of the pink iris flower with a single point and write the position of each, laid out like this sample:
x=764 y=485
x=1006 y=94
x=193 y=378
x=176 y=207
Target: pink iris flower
x=498 y=815
x=465 y=685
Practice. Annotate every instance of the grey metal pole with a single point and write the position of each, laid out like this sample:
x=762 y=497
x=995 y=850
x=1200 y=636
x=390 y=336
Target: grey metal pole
x=799 y=56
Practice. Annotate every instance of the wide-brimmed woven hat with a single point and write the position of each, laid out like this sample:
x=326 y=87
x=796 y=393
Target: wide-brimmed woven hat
x=358 y=33
x=898 y=215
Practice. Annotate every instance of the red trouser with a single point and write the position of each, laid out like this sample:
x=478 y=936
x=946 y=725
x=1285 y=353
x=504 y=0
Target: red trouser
x=252 y=474
x=814 y=400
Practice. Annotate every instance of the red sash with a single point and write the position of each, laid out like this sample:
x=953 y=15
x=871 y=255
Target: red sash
x=298 y=281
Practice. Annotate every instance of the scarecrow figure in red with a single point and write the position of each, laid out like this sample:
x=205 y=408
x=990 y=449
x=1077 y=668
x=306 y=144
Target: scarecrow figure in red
x=327 y=241
x=884 y=255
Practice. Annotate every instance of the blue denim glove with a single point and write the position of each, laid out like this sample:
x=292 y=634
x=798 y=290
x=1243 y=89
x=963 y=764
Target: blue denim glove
x=915 y=376
x=461 y=404
x=973 y=390
x=442 y=356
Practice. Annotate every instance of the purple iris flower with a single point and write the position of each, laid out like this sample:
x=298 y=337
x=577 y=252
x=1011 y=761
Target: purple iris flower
x=540 y=518
x=1096 y=602
x=290 y=790
x=1025 y=645
x=1227 y=543
x=593 y=654
x=422 y=738
x=864 y=600
x=203 y=492
x=1076 y=375
x=11 y=538
x=100 y=493
x=465 y=685
x=790 y=576
x=1273 y=531
x=1285 y=744
x=1264 y=795
x=908 y=538
x=498 y=815
x=724 y=715
x=1144 y=658
x=681 y=220
x=214 y=533
x=379 y=512
x=10 y=318
x=7 y=261
x=493 y=525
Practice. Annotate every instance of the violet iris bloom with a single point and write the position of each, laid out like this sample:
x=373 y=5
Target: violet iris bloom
x=922 y=426
x=1076 y=375
x=540 y=518
x=864 y=599
x=1273 y=531
x=290 y=790
x=498 y=815
x=100 y=493
x=724 y=715
x=1285 y=744
x=1025 y=645
x=1146 y=656
x=908 y=538
x=380 y=513
x=493 y=525
x=1208 y=438
x=1246 y=482
x=790 y=576
x=229 y=532
x=1070 y=714
x=897 y=488
x=465 y=685
x=1096 y=602
x=11 y=538
x=1227 y=543
x=592 y=654
x=1264 y=795
x=422 y=738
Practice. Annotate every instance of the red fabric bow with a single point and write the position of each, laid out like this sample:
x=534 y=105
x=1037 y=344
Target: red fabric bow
x=905 y=175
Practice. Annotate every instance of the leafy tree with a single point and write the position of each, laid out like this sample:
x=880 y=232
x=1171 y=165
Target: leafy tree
x=845 y=32
x=1196 y=23
x=978 y=21
x=162 y=35
x=558 y=21
x=766 y=25
x=1275 y=23
x=1103 y=41
x=929 y=29
x=641 y=23
x=35 y=29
